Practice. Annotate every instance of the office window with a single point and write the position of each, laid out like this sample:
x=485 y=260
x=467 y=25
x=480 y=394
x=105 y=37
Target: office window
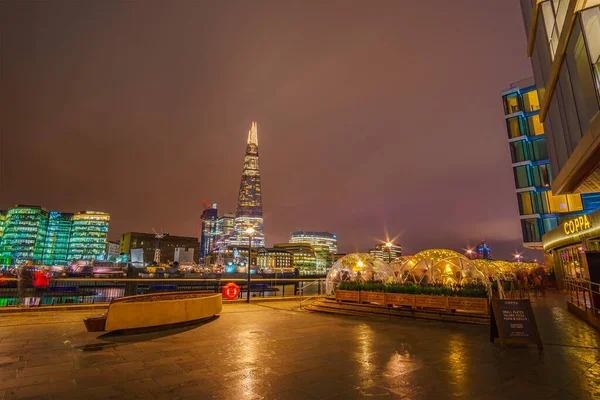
x=539 y=151
x=531 y=230
x=591 y=29
x=518 y=151
x=535 y=125
x=582 y=81
x=541 y=202
x=511 y=103
x=515 y=127
x=530 y=101
x=525 y=203
x=522 y=177
x=541 y=175
x=548 y=224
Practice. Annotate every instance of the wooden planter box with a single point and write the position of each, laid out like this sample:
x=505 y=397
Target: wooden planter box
x=400 y=299
x=422 y=300
x=468 y=304
x=347 y=295
x=372 y=297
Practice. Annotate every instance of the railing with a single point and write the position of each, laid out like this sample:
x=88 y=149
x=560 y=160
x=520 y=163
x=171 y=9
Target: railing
x=584 y=294
x=301 y=292
x=103 y=290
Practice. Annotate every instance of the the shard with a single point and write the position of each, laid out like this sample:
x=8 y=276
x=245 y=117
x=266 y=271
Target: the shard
x=249 y=211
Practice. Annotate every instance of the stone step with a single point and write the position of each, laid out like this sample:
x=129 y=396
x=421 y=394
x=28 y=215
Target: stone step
x=377 y=311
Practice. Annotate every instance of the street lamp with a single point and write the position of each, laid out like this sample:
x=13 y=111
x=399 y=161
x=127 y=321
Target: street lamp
x=389 y=249
x=249 y=232
x=518 y=256
x=469 y=253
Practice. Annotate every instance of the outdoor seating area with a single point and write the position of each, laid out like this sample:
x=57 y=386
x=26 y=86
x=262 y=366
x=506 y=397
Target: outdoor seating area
x=432 y=279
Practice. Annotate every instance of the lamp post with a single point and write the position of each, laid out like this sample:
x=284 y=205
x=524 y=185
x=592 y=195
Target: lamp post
x=470 y=253
x=249 y=232
x=389 y=249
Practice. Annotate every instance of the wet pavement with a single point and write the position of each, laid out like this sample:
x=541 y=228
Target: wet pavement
x=275 y=351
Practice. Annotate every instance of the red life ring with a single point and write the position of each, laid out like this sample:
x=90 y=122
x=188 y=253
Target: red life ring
x=231 y=291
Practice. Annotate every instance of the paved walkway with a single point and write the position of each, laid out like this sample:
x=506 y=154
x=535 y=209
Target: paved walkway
x=274 y=351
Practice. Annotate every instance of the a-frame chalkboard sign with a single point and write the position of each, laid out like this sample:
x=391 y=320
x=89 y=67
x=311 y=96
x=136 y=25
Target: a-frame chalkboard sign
x=513 y=322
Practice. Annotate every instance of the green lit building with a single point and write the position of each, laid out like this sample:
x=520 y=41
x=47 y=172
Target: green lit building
x=57 y=238
x=2 y=220
x=32 y=233
x=24 y=233
x=89 y=236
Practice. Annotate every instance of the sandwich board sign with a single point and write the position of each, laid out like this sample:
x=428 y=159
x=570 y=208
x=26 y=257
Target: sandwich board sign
x=513 y=322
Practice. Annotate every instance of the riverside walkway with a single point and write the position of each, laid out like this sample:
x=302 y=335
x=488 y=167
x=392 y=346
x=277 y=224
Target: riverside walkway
x=272 y=350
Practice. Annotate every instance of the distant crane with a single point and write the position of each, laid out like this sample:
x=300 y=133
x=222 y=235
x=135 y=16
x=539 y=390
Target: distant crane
x=158 y=236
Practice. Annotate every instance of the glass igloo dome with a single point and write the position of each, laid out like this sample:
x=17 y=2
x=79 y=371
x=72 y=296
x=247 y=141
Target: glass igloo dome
x=442 y=266
x=358 y=267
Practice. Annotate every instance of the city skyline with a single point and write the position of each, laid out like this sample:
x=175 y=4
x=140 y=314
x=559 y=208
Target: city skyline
x=357 y=136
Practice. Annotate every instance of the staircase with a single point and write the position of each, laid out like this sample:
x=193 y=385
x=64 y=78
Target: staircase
x=330 y=306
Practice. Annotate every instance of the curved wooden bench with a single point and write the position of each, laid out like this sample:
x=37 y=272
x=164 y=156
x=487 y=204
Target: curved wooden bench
x=151 y=310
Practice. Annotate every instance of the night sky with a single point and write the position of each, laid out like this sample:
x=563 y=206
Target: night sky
x=373 y=116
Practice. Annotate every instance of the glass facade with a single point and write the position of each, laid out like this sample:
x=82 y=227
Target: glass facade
x=56 y=247
x=24 y=233
x=540 y=210
x=89 y=233
x=565 y=56
x=249 y=210
x=316 y=239
x=209 y=231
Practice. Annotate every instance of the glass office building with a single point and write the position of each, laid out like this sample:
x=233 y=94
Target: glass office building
x=209 y=231
x=89 y=236
x=564 y=46
x=56 y=247
x=32 y=233
x=316 y=239
x=24 y=234
x=540 y=210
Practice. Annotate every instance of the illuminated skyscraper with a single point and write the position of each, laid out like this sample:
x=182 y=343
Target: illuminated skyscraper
x=249 y=210
x=209 y=230
x=2 y=221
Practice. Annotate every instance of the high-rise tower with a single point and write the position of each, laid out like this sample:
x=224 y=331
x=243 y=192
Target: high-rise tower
x=249 y=210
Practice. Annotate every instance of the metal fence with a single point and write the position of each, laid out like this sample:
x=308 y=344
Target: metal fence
x=103 y=290
x=584 y=294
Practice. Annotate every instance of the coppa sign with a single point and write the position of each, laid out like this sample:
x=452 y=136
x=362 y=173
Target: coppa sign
x=577 y=224
x=231 y=291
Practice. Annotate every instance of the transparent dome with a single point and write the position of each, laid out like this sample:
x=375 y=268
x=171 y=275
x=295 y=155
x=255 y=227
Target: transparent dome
x=442 y=266
x=358 y=267
x=399 y=266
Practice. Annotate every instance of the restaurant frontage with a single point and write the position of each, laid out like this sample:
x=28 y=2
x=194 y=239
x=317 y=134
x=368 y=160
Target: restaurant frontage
x=573 y=250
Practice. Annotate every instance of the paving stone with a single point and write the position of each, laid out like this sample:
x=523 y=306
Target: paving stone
x=257 y=352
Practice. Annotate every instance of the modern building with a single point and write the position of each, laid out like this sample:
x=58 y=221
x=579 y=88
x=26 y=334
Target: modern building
x=564 y=46
x=56 y=248
x=32 y=233
x=316 y=239
x=210 y=230
x=305 y=258
x=249 y=211
x=539 y=208
x=386 y=253
x=145 y=245
x=112 y=250
x=274 y=259
x=89 y=234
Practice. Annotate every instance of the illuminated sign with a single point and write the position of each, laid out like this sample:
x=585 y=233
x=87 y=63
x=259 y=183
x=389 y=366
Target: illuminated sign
x=577 y=224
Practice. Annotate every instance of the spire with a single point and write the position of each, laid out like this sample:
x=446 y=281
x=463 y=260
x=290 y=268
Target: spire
x=253 y=134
